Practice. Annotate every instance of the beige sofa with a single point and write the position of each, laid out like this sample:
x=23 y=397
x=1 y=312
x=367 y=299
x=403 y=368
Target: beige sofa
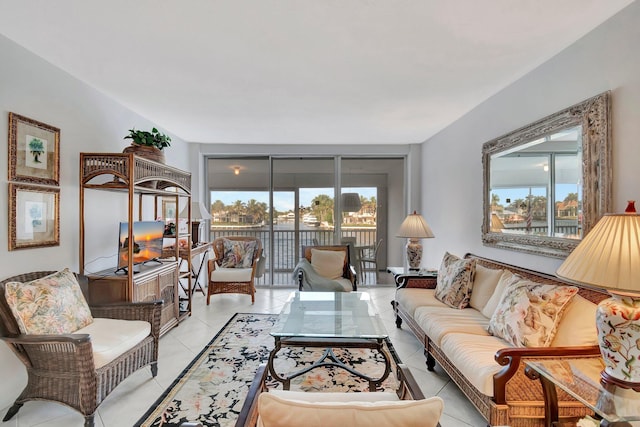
x=488 y=369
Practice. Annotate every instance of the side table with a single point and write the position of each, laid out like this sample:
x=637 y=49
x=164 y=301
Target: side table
x=580 y=378
x=201 y=249
x=413 y=278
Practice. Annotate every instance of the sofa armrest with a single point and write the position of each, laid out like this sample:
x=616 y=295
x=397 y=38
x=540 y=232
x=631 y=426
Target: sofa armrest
x=513 y=361
x=416 y=282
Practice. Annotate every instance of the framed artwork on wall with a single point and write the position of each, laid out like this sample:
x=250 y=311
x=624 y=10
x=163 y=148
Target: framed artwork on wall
x=34 y=151
x=34 y=216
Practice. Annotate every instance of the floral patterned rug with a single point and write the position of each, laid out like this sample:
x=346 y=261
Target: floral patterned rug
x=212 y=389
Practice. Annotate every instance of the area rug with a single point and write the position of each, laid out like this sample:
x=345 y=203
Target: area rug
x=212 y=388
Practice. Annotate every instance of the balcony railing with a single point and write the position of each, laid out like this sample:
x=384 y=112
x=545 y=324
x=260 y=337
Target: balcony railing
x=286 y=251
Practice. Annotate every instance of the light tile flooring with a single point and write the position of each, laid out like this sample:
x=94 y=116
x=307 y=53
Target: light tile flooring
x=135 y=395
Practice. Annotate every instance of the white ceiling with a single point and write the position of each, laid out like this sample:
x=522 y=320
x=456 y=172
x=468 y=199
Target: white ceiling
x=300 y=71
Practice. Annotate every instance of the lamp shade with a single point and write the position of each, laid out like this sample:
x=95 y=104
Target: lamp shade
x=350 y=202
x=198 y=212
x=608 y=256
x=414 y=227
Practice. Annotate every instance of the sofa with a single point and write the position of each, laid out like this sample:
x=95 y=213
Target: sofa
x=465 y=320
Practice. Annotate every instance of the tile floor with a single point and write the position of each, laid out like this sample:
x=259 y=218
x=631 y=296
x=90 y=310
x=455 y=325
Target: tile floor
x=135 y=395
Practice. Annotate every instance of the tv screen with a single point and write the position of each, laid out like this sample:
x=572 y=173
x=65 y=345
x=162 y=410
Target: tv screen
x=147 y=242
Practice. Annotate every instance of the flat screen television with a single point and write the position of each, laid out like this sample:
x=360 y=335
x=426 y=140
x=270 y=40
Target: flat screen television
x=147 y=242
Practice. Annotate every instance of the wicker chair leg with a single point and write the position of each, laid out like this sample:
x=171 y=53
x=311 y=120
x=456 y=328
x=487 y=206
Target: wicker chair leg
x=88 y=421
x=12 y=411
x=154 y=369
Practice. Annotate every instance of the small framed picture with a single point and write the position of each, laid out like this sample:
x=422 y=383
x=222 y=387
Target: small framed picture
x=34 y=151
x=169 y=210
x=34 y=216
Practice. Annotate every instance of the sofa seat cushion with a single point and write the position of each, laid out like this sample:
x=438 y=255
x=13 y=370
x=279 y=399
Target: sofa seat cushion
x=437 y=322
x=411 y=298
x=276 y=411
x=112 y=337
x=473 y=356
x=223 y=274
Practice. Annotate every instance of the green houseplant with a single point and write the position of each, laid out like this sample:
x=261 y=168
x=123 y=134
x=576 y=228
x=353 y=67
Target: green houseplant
x=148 y=144
x=151 y=139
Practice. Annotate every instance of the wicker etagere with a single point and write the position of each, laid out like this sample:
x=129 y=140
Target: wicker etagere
x=139 y=178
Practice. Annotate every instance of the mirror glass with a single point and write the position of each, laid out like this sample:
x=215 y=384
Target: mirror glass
x=548 y=183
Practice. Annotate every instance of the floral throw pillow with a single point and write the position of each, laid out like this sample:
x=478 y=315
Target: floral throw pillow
x=529 y=313
x=50 y=305
x=455 y=281
x=238 y=253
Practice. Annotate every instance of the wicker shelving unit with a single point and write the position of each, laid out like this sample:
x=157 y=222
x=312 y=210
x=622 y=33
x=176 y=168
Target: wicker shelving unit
x=140 y=178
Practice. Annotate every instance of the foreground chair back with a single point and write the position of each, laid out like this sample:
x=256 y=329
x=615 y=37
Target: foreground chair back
x=407 y=406
x=64 y=367
x=325 y=269
x=234 y=268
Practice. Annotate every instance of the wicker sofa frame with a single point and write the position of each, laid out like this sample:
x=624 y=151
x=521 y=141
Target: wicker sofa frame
x=60 y=368
x=518 y=401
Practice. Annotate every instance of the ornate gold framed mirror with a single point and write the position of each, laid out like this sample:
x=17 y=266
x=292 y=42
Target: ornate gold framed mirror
x=547 y=183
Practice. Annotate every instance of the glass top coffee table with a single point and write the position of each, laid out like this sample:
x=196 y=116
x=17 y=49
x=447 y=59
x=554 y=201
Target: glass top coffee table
x=329 y=320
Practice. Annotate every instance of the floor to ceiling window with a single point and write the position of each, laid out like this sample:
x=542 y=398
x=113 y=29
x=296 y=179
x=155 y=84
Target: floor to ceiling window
x=293 y=202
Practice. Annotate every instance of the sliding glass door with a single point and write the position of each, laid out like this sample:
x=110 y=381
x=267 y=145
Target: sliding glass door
x=294 y=202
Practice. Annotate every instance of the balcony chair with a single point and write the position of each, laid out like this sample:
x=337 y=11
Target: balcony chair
x=369 y=255
x=325 y=269
x=406 y=406
x=233 y=269
x=74 y=354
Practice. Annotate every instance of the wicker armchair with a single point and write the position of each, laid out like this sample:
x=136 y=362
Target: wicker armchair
x=61 y=368
x=236 y=279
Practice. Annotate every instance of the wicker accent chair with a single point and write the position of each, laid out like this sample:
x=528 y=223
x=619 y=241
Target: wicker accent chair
x=61 y=368
x=408 y=389
x=310 y=279
x=238 y=278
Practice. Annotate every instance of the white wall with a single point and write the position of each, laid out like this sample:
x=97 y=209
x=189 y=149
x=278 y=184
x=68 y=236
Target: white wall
x=605 y=59
x=89 y=121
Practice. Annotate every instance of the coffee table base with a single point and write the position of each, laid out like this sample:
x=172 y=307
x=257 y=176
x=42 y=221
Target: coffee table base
x=328 y=358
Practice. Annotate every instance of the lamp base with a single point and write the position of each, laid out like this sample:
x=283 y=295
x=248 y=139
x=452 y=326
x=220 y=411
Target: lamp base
x=414 y=254
x=618 y=324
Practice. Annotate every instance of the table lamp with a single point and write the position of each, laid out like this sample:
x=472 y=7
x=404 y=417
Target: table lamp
x=609 y=257
x=414 y=228
x=198 y=213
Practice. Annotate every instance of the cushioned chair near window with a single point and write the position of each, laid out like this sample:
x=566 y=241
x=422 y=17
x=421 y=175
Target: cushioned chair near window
x=405 y=407
x=325 y=269
x=233 y=269
x=74 y=354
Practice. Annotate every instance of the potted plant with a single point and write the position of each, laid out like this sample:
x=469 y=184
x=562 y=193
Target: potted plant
x=148 y=144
